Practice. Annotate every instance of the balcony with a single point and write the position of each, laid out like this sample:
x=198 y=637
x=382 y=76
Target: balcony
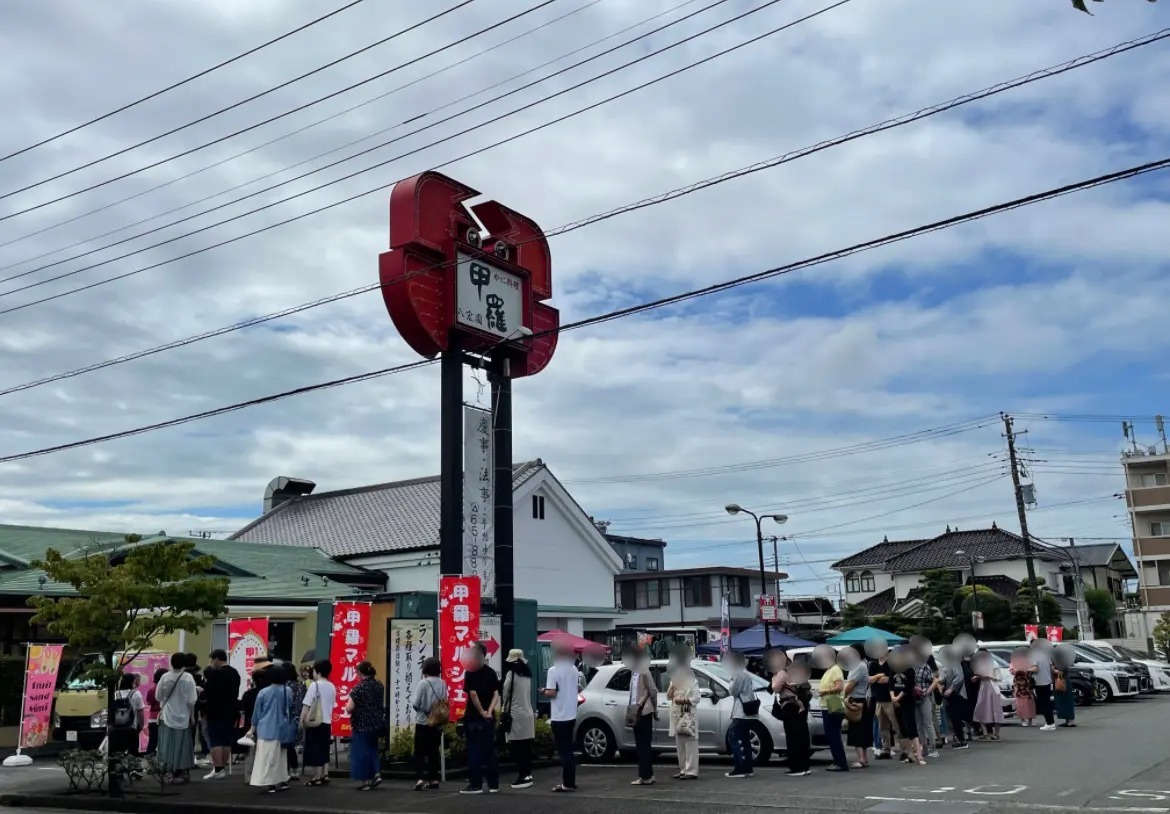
x=1151 y=547
x=1145 y=498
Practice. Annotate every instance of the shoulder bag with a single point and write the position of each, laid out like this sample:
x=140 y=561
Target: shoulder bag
x=440 y=712
x=313 y=719
x=854 y=710
x=686 y=726
x=634 y=711
x=506 y=713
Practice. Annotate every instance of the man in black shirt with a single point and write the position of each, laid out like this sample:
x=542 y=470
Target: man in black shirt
x=884 y=715
x=482 y=686
x=221 y=710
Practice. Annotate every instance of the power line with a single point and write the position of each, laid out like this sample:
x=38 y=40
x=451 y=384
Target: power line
x=569 y=227
x=299 y=130
x=621 y=313
x=498 y=117
x=253 y=98
x=182 y=82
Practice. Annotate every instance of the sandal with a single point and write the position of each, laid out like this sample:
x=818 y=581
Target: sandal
x=641 y=782
x=857 y=765
x=420 y=785
x=561 y=788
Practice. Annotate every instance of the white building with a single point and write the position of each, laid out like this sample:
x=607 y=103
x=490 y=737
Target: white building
x=562 y=560
x=887 y=577
x=688 y=598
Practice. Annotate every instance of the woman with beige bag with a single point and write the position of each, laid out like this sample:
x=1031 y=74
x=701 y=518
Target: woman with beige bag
x=683 y=694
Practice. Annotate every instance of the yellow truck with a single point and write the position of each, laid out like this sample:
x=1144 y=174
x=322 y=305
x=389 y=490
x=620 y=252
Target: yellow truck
x=80 y=705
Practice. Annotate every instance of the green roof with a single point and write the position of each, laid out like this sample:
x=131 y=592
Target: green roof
x=255 y=571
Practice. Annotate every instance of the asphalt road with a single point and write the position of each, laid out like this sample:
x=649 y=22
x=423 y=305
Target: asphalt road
x=1117 y=760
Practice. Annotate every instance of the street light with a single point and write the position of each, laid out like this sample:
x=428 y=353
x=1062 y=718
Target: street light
x=734 y=509
x=971 y=560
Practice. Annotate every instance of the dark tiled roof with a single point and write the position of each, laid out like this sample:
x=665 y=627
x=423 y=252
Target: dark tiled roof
x=622 y=539
x=809 y=606
x=879 y=603
x=991 y=544
x=1000 y=585
x=878 y=554
x=399 y=516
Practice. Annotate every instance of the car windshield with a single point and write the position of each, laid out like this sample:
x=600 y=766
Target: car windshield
x=1103 y=655
x=1133 y=654
x=723 y=674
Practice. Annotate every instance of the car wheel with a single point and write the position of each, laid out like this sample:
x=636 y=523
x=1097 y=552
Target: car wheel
x=1101 y=691
x=596 y=742
x=761 y=743
x=1083 y=699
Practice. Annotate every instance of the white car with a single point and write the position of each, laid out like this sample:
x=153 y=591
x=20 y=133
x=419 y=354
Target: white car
x=1159 y=670
x=1111 y=679
x=601 y=712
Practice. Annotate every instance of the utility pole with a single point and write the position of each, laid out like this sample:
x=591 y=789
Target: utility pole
x=1079 y=591
x=1011 y=440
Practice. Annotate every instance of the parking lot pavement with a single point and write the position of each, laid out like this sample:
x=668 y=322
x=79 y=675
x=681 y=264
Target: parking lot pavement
x=1116 y=760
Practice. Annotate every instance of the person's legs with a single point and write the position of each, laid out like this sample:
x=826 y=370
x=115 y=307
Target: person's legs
x=473 y=737
x=422 y=746
x=798 y=746
x=926 y=724
x=691 y=765
x=643 y=738
x=1044 y=702
x=955 y=711
x=492 y=768
x=563 y=737
x=832 y=724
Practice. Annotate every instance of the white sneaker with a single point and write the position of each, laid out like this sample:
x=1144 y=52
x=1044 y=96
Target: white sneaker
x=216 y=774
x=932 y=754
x=1026 y=723
x=1048 y=728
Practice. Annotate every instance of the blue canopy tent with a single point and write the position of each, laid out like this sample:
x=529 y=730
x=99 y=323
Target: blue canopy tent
x=861 y=635
x=751 y=641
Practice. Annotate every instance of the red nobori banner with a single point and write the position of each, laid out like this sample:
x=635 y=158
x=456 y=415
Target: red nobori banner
x=347 y=649
x=458 y=629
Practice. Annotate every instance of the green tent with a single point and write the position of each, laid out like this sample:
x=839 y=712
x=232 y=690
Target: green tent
x=861 y=635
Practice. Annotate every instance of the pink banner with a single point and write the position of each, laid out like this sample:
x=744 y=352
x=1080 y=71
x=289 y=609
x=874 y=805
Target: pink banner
x=145 y=665
x=40 y=680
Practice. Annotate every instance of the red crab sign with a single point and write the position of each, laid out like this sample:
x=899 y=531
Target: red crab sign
x=487 y=280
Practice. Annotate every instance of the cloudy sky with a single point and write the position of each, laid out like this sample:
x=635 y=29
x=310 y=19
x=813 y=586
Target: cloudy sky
x=1052 y=310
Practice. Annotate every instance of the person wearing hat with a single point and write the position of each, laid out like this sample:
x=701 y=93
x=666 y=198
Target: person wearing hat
x=518 y=718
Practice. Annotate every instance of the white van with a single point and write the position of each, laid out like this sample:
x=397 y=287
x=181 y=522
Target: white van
x=1159 y=670
x=1111 y=679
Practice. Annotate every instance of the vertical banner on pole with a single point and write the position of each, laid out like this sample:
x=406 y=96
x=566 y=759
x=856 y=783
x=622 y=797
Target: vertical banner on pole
x=459 y=611
x=1031 y=632
x=1055 y=634
x=247 y=641
x=478 y=499
x=40 y=680
x=411 y=643
x=348 y=647
x=725 y=624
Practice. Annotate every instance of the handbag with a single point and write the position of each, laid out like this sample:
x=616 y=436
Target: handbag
x=634 y=711
x=686 y=726
x=288 y=725
x=834 y=704
x=506 y=713
x=313 y=719
x=440 y=711
x=854 y=710
x=1059 y=683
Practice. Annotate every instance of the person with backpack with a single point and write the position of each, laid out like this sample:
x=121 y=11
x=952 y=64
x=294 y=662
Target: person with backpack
x=129 y=716
x=518 y=718
x=317 y=721
x=431 y=712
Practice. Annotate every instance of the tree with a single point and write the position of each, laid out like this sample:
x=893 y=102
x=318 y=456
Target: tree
x=895 y=623
x=1030 y=596
x=965 y=592
x=1080 y=5
x=1162 y=634
x=938 y=601
x=997 y=616
x=1102 y=610
x=853 y=616
x=127 y=597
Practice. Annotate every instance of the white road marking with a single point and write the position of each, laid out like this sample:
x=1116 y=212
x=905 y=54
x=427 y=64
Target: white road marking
x=1037 y=806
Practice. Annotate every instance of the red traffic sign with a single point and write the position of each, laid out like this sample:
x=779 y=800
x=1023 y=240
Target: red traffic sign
x=769 y=608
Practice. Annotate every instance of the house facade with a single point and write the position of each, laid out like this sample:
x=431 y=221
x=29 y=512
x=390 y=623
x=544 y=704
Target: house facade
x=689 y=598
x=562 y=560
x=887 y=577
x=639 y=553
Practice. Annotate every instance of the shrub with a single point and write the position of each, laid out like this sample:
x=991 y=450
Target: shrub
x=401 y=744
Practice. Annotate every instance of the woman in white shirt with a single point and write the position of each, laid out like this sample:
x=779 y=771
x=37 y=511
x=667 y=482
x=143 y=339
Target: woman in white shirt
x=176 y=694
x=317 y=721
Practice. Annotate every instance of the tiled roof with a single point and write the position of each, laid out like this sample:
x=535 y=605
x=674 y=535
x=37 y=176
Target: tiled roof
x=285 y=574
x=621 y=539
x=809 y=607
x=1000 y=585
x=991 y=544
x=399 y=516
x=878 y=554
x=879 y=603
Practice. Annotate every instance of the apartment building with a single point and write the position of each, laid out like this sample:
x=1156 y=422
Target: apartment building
x=1147 y=496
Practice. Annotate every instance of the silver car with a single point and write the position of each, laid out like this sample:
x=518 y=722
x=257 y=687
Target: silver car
x=601 y=715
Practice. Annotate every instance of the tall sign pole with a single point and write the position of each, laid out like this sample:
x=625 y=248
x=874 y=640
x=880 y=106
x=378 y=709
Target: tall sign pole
x=470 y=284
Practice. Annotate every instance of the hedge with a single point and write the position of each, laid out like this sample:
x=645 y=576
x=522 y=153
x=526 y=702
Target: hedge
x=400 y=747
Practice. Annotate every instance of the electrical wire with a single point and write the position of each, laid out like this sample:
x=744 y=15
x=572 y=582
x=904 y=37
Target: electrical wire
x=621 y=313
x=181 y=82
x=496 y=118
x=573 y=226
x=304 y=128
x=253 y=98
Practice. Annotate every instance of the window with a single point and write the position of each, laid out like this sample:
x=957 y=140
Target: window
x=620 y=681
x=641 y=594
x=1160 y=529
x=280 y=641
x=538 y=507
x=1152 y=479
x=631 y=562
x=1164 y=572
x=1069 y=585
x=866 y=581
x=651 y=563
x=705 y=682
x=852 y=583
x=664 y=589
x=739 y=592
x=697 y=592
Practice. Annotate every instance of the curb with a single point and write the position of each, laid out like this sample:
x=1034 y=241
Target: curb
x=140 y=805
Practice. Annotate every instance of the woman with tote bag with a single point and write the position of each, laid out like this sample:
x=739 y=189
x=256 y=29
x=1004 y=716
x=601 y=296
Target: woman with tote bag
x=683 y=694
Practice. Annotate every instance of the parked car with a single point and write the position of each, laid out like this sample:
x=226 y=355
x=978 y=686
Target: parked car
x=1159 y=671
x=1080 y=677
x=1111 y=679
x=601 y=714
